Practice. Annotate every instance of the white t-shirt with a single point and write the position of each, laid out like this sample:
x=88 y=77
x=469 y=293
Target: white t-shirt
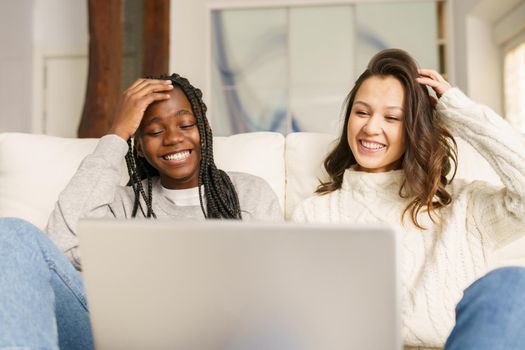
x=184 y=198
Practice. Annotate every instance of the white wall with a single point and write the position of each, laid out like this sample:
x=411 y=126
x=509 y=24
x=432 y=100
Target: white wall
x=16 y=66
x=188 y=35
x=33 y=33
x=458 y=11
x=477 y=32
x=483 y=71
x=33 y=30
x=511 y=25
x=60 y=48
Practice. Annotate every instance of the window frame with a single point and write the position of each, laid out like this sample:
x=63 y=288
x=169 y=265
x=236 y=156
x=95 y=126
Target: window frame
x=505 y=48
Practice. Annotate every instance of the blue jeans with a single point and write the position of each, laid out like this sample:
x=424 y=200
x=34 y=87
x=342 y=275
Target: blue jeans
x=491 y=314
x=42 y=299
x=43 y=303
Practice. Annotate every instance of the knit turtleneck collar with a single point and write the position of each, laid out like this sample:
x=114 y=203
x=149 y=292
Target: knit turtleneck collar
x=362 y=181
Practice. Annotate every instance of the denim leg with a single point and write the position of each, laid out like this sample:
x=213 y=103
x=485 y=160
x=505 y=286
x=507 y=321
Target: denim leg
x=42 y=298
x=491 y=314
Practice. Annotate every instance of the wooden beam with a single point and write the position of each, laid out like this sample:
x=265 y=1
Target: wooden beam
x=105 y=65
x=156 y=39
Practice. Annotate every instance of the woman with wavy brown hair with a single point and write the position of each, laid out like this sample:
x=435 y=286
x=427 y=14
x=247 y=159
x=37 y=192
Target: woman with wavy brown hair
x=429 y=150
x=395 y=163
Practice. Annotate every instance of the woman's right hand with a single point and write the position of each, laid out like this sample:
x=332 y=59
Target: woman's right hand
x=133 y=104
x=434 y=80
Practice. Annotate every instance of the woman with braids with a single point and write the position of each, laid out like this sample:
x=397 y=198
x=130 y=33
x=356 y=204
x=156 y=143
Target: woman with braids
x=172 y=175
x=170 y=163
x=394 y=163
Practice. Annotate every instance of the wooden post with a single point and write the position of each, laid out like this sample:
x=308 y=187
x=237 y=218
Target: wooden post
x=156 y=39
x=105 y=65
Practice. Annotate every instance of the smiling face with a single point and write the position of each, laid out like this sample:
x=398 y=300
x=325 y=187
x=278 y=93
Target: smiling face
x=375 y=129
x=169 y=139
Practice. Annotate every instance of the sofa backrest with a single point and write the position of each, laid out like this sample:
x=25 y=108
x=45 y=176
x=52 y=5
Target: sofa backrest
x=33 y=171
x=305 y=153
x=35 y=168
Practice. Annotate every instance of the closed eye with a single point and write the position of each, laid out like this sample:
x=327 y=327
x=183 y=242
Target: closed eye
x=154 y=132
x=187 y=126
x=392 y=118
x=361 y=113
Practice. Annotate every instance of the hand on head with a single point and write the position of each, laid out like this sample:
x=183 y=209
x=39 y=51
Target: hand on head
x=133 y=104
x=435 y=81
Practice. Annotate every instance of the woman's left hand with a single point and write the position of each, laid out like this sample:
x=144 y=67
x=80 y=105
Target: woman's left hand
x=434 y=80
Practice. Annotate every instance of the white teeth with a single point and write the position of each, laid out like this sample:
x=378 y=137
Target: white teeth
x=372 y=145
x=177 y=156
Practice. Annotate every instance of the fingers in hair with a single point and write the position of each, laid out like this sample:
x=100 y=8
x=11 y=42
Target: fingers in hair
x=432 y=74
x=149 y=86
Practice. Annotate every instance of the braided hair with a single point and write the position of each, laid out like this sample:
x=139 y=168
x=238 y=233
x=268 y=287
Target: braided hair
x=222 y=201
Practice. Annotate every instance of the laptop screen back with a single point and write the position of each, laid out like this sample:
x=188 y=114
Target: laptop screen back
x=238 y=285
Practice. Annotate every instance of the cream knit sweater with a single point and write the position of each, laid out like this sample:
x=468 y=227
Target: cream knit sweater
x=439 y=263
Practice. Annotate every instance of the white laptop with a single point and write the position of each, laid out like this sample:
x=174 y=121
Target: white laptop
x=225 y=285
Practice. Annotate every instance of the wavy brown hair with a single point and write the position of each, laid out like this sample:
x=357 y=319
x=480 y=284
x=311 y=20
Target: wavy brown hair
x=431 y=151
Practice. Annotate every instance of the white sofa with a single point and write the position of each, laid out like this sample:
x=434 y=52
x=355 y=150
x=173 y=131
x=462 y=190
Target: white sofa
x=35 y=168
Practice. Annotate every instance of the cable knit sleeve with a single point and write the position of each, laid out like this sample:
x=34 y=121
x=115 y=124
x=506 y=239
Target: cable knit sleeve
x=299 y=213
x=306 y=211
x=88 y=194
x=498 y=213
